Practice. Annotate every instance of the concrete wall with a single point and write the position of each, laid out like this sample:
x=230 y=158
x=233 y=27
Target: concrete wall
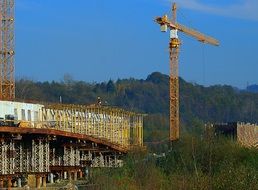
x=22 y=111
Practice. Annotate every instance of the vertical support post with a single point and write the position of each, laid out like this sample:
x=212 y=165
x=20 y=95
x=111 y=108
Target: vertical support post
x=19 y=182
x=44 y=181
x=9 y=183
x=51 y=178
x=112 y=131
x=65 y=174
x=70 y=175
x=38 y=182
x=61 y=175
x=1 y=183
x=75 y=175
x=80 y=174
x=142 y=129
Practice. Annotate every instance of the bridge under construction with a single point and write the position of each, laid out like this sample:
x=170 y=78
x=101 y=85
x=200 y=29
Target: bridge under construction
x=41 y=140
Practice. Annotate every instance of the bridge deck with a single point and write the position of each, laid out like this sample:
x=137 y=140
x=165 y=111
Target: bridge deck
x=102 y=141
x=114 y=127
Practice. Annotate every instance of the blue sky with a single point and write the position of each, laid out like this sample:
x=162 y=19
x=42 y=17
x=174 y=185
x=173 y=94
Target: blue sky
x=98 y=40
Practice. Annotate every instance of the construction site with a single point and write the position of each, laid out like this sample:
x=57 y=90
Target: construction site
x=42 y=140
x=63 y=139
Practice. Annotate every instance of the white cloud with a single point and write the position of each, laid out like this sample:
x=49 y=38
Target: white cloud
x=244 y=9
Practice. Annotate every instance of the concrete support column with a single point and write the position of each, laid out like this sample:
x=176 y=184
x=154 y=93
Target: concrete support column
x=38 y=182
x=58 y=177
x=9 y=183
x=61 y=175
x=44 y=181
x=51 y=178
x=69 y=175
x=19 y=182
x=65 y=174
x=1 y=183
x=14 y=184
x=80 y=174
x=86 y=173
x=75 y=176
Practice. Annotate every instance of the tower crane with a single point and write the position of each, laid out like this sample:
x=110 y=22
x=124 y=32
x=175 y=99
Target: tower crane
x=174 y=45
x=7 y=83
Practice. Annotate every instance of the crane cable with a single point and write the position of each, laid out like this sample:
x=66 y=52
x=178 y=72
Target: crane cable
x=203 y=64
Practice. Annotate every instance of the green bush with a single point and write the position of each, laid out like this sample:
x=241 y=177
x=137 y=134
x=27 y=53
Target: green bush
x=194 y=162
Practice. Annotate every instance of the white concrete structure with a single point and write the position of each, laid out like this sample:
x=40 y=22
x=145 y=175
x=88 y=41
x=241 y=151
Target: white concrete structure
x=21 y=111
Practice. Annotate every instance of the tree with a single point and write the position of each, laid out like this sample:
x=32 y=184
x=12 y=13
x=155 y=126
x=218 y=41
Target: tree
x=111 y=88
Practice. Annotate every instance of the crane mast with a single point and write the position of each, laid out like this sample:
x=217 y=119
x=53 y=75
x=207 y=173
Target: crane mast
x=174 y=81
x=174 y=91
x=174 y=46
x=7 y=81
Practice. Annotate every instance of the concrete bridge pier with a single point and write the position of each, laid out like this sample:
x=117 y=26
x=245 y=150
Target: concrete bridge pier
x=70 y=175
x=38 y=181
x=1 y=183
x=80 y=174
x=75 y=175
x=65 y=174
x=61 y=175
x=44 y=181
x=41 y=181
x=19 y=183
x=9 y=183
x=51 y=178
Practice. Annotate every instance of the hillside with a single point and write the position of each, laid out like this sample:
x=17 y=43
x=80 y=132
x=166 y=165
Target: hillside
x=197 y=103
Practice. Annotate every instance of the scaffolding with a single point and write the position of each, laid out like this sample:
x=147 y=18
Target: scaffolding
x=7 y=161
x=111 y=124
x=64 y=139
x=71 y=156
x=40 y=156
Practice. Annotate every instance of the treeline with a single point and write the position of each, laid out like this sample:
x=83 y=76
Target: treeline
x=151 y=96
